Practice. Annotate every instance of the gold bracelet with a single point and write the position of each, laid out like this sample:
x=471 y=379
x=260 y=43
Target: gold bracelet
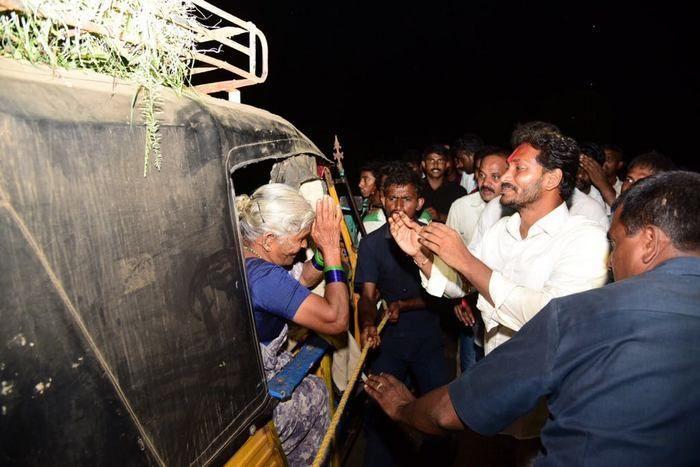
x=423 y=263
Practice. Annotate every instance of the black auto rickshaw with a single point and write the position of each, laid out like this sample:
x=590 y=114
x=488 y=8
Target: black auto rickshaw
x=127 y=336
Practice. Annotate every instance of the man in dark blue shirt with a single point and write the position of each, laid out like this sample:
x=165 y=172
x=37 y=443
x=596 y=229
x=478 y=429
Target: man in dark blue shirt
x=412 y=341
x=619 y=366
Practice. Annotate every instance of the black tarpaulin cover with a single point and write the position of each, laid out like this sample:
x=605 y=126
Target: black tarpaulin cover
x=126 y=332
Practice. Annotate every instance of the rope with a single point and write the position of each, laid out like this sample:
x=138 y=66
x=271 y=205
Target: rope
x=328 y=438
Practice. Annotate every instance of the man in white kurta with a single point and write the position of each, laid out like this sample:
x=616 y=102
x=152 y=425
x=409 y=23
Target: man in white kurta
x=465 y=212
x=561 y=254
x=524 y=260
x=579 y=204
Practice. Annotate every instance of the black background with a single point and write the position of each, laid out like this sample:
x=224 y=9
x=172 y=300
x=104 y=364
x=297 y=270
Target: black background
x=388 y=77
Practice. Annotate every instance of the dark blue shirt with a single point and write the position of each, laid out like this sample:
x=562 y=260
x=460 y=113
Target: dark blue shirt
x=620 y=367
x=276 y=297
x=382 y=262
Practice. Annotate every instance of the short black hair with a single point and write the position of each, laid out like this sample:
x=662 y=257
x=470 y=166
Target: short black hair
x=399 y=173
x=524 y=129
x=556 y=152
x=614 y=148
x=372 y=166
x=669 y=201
x=468 y=142
x=593 y=151
x=654 y=161
x=435 y=148
x=488 y=151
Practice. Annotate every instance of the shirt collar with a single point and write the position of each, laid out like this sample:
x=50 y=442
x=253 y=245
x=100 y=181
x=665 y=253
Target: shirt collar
x=475 y=200
x=550 y=224
x=684 y=265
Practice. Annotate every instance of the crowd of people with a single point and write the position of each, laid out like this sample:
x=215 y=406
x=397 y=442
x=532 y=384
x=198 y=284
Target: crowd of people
x=574 y=278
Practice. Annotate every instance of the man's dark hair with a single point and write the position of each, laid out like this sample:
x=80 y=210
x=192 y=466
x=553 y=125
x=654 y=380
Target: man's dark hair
x=556 y=152
x=524 y=129
x=593 y=151
x=399 y=173
x=468 y=142
x=654 y=161
x=614 y=148
x=669 y=201
x=488 y=151
x=435 y=149
x=374 y=167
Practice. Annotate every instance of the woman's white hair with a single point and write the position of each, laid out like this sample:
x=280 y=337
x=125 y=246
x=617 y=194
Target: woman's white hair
x=275 y=208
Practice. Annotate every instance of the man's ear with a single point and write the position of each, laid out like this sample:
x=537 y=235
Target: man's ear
x=421 y=202
x=553 y=179
x=652 y=243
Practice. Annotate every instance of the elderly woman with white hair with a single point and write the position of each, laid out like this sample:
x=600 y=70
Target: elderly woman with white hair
x=275 y=222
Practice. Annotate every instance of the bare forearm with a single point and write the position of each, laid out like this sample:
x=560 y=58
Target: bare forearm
x=424 y=261
x=432 y=413
x=310 y=276
x=367 y=309
x=608 y=193
x=337 y=296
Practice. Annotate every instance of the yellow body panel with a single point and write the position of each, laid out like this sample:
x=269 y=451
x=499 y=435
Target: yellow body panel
x=263 y=449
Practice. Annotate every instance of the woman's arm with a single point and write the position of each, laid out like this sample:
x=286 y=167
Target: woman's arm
x=328 y=314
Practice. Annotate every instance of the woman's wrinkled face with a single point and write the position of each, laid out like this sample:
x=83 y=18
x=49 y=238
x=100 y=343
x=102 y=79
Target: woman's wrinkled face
x=284 y=249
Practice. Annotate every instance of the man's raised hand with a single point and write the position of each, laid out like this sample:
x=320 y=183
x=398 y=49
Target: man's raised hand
x=444 y=242
x=405 y=231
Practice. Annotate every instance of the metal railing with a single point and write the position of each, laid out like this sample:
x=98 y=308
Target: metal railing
x=225 y=35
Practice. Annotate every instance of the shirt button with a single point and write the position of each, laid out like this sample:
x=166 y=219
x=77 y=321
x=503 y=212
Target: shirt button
x=405 y=290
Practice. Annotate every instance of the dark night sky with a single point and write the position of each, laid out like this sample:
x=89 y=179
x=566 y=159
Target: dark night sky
x=388 y=78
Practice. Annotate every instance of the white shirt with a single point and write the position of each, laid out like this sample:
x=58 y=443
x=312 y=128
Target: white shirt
x=464 y=215
x=618 y=187
x=468 y=182
x=595 y=194
x=581 y=205
x=561 y=255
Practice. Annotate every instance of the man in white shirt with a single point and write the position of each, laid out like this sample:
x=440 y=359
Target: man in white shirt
x=604 y=176
x=579 y=204
x=463 y=217
x=583 y=180
x=464 y=213
x=526 y=259
x=464 y=152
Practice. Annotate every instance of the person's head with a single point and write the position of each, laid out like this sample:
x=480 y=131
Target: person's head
x=369 y=180
x=435 y=161
x=412 y=158
x=645 y=165
x=655 y=220
x=542 y=167
x=401 y=190
x=275 y=220
x=491 y=168
x=463 y=151
x=523 y=130
x=595 y=152
x=614 y=160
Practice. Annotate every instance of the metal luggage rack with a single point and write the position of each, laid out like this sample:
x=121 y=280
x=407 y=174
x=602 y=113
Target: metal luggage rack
x=228 y=37
x=224 y=33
